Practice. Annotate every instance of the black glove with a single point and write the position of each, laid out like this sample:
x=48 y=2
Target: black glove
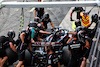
x=71 y=19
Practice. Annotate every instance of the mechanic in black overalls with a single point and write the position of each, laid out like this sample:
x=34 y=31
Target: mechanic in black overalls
x=6 y=42
x=38 y=12
x=84 y=38
x=91 y=32
x=26 y=38
x=88 y=30
x=36 y=23
x=52 y=58
x=38 y=28
x=76 y=50
x=45 y=20
x=78 y=10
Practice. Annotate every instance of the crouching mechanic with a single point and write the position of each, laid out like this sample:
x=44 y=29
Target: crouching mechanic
x=38 y=28
x=6 y=42
x=26 y=38
x=52 y=59
x=82 y=36
x=76 y=48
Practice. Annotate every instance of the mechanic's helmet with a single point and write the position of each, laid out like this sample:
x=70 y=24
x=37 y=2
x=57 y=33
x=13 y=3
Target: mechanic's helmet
x=94 y=17
x=37 y=19
x=78 y=8
x=11 y=33
x=46 y=16
x=79 y=28
x=81 y=36
x=78 y=23
x=77 y=20
x=33 y=24
x=40 y=26
x=81 y=33
x=22 y=30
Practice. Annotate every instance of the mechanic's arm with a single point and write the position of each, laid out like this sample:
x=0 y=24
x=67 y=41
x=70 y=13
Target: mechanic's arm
x=49 y=66
x=71 y=14
x=43 y=24
x=44 y=32
x=27 y=28
x=30 y=46
x=70 y=32
x=87 y=44
x=69 y=40
x=12 y=46
x=32 y=41
x=45 y=48
x=52 y=24
x=34 y=13
x=58 y=64
x=22 y=36
x=68 y=43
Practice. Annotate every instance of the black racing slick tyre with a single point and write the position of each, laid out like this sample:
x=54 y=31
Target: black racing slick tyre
x=28 y=58
x=12 y=56
x=66 y=56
